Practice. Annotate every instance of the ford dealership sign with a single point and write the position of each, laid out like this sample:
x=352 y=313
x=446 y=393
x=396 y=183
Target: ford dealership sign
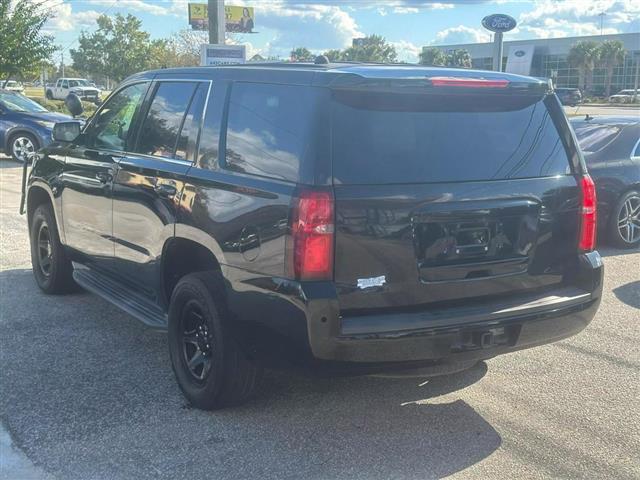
x=499 y=22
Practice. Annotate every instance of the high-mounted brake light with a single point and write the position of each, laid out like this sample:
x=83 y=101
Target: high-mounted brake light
x=312 y=231
x=468 y=82
x=588 y=214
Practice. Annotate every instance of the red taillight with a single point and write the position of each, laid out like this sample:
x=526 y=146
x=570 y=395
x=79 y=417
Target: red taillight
x=588 y=214
x=312 y=235
x=468 y=82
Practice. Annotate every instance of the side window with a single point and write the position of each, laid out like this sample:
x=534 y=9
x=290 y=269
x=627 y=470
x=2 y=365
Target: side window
x=160 y=129
x=59 y=83
x=210 y=135
x=269 y=129
x=186 y=147
x=111 y=126
x=65 y=84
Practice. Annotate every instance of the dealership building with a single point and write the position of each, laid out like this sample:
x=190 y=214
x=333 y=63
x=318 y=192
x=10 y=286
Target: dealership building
x=549 y=59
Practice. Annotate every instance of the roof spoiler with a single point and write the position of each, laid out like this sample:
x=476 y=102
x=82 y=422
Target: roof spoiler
x=491 y=83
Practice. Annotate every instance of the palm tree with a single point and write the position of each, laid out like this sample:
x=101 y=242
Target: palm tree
x=583 y=56
x=459 y=58
x=610 y=54
x=433 y=56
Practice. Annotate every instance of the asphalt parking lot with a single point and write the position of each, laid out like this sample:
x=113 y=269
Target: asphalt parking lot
x=86 y=392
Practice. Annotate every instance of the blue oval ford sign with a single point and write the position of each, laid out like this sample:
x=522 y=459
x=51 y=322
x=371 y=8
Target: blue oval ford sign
x=499 y=22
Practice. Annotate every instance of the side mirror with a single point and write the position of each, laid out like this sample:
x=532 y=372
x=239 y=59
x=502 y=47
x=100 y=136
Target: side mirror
x=73 y=104
x=65 y=131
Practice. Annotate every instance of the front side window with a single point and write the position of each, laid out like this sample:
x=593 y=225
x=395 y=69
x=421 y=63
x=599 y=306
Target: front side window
x=65 y=84
x=110 y=128
x=161 y=127
x=269 y=129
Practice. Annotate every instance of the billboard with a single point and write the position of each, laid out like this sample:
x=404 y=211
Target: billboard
x=222 y=54
x=238 y=19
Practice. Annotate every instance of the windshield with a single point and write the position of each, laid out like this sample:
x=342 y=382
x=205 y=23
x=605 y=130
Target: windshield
x=78 y=83
x=19 y=103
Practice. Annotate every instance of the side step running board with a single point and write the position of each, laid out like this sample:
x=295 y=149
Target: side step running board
x=113 y=292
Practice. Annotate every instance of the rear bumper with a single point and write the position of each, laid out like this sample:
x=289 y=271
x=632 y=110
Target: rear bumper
x=301 y=325
x=456 y=335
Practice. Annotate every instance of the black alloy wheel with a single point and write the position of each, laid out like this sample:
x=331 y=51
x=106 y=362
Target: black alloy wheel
x=197 y=341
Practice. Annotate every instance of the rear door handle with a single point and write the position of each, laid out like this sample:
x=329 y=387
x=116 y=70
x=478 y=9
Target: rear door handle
x=165 y=190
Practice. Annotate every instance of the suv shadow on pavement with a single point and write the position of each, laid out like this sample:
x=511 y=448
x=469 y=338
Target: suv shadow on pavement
x=80 y=411
x=629 y=293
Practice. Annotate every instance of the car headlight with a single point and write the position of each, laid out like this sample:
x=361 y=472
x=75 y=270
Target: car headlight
x=45 y=123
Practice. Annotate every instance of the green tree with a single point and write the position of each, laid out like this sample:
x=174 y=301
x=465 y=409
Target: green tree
x=373 y=48
x=583 y=56
x=333 y=55
x=301 y=54
x=610 y=54
x=433 y=56
x=459 y=58
x=117 y=49
x=23 y=48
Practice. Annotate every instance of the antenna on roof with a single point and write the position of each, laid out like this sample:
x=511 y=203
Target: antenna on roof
x=321 y=60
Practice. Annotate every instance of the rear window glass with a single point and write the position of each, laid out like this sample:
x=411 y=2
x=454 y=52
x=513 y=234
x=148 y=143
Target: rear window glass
x=383 y=138
x=594 y=137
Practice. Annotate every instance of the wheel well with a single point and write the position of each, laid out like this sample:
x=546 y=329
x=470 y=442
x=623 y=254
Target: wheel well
x=37 y=196
x=181 y=257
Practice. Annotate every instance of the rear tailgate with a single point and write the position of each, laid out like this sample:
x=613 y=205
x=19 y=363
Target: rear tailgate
x=450 y=197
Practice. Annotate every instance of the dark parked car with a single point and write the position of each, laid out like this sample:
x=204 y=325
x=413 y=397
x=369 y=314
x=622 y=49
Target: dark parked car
x=569 y=96
x=25 y=126
x=611 y=148
x=347 y=219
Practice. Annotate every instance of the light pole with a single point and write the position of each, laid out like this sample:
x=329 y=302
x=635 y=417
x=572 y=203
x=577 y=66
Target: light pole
x=216 y=17
x=601 y=15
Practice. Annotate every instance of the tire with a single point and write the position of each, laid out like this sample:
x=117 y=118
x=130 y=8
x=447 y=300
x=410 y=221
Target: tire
x=49 y=95
x=624 y=225
x=51 y=267
x=221 y=375
x=21 y=145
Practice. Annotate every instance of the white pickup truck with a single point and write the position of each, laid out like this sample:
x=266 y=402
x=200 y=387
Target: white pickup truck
x=81 y=87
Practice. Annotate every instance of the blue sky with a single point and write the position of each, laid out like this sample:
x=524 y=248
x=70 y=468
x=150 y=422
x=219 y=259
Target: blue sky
x=325 y=24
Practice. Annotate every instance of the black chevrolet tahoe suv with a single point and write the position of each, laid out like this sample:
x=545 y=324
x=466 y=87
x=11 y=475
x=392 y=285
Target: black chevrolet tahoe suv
x=338 y=218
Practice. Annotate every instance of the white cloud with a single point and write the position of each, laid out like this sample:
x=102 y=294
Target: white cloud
x=405 y=10
x=402 y=7
x=407 y=51
x=461 y=34
x=153 y=8
x=317 y=27
x=440 y=6
x=64 y=19
x=552 y=18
